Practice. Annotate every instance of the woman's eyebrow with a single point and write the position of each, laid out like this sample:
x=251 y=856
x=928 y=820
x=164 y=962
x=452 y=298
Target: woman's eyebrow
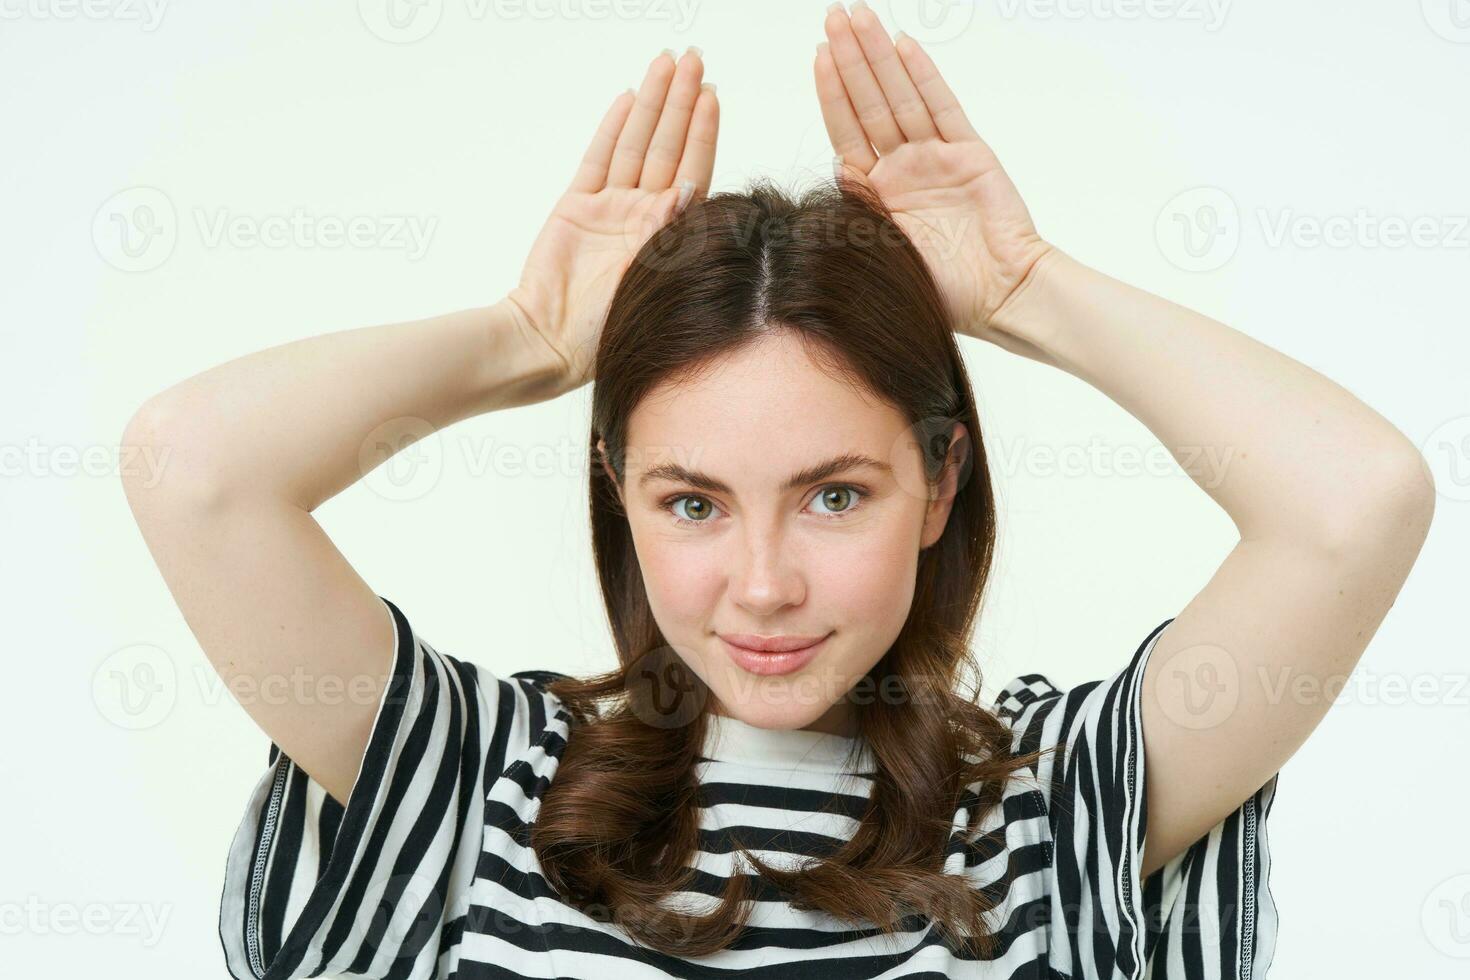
x=675 y=473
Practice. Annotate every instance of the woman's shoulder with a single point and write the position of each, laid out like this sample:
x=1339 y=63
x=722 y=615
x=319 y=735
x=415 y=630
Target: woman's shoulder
x=1021 y=693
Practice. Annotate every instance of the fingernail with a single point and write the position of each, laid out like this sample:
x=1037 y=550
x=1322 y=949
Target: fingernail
x=899 y=36
x=859 y=5
x=835 y=6
x=822 y=47
x=710 y=86
x=668 y=51
x=698 y=51
x=837 y=167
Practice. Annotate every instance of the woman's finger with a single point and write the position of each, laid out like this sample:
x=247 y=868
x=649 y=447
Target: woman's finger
x=843 y=128
x=591 y=174
x=862 y=87
x=632 y=147
x=893 y=78
x=698 y=160
x=944 y=108
x=673 y=124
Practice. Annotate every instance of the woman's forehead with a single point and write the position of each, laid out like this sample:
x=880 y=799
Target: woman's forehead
x=769 y=390
x=744 y=426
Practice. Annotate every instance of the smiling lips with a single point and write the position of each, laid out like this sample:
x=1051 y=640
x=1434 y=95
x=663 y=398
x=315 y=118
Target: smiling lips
x=770 y=644
x=771 y=654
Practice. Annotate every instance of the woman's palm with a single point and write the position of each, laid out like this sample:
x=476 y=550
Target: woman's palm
x=943 y=184
x=646 y=151
x=576 y=262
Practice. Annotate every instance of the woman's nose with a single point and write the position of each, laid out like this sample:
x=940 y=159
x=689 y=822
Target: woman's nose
x=765 y=577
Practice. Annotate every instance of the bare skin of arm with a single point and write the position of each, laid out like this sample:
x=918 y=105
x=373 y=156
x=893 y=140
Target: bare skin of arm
x=1331 y=501
x=255 y=445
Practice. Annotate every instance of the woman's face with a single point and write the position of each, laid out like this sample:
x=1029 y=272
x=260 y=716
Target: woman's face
x=730 y=544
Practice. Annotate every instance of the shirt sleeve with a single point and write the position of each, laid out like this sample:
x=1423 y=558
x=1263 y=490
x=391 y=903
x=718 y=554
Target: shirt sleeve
x=379 y=887
x=1207 y=914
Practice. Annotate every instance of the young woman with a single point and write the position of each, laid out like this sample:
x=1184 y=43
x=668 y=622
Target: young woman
x=793 y=525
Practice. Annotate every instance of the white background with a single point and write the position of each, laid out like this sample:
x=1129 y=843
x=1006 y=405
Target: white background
x=119 y=803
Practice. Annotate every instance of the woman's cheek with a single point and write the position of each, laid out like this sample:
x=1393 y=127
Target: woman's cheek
x=867 y=592
x=683 y=583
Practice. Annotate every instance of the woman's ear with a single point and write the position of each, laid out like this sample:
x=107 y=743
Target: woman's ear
x=957 y=463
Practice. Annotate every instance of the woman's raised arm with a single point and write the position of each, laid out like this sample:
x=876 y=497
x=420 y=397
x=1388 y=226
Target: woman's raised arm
x=252 y=446
x=1331 y=501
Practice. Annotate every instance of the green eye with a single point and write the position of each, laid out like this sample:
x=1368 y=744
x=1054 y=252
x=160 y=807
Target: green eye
x=842 y=495
x=703 y=505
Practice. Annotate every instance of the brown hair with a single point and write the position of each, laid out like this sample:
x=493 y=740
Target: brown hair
x=618 y=826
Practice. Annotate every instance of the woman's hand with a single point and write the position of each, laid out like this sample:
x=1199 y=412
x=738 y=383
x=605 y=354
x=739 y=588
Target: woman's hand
x=627 y=187
x=899 y=129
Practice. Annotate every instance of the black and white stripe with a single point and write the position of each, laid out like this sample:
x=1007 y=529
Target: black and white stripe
x=427 y=873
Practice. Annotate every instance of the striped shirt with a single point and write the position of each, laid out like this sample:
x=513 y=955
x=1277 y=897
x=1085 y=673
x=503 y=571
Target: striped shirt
x=427 y=871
